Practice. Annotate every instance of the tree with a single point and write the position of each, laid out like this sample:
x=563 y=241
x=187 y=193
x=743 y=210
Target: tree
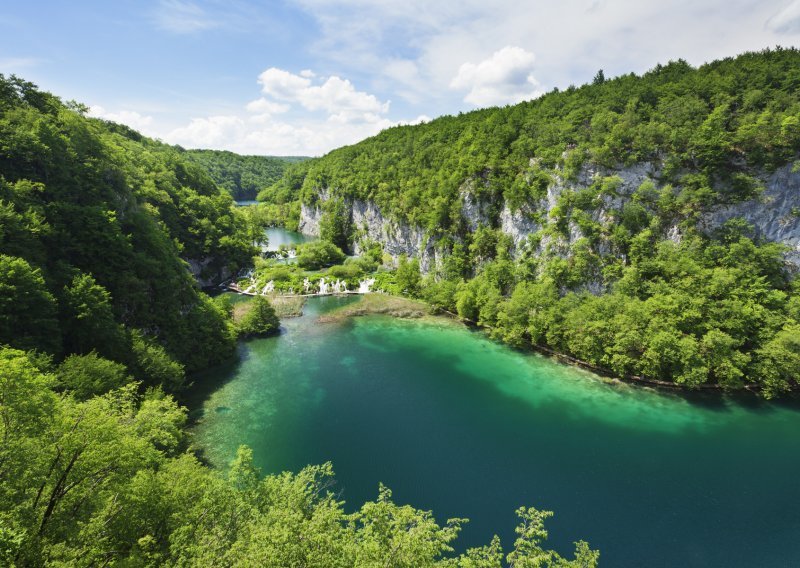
x=408 y=277
x=528 y=551
x=153 y=365
x=260 y=319
x=318 y=254
x=88 y=319
x=335 y=225
x=27 y=308
x=89 y=375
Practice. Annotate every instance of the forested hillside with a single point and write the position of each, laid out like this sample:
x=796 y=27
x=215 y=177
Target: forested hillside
x=607 y=222
x=96 y=223
x=242 y=176
x=99 y=319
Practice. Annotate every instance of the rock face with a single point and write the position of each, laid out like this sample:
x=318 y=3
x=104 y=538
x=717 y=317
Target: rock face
x=397 y=238
x=205 y=276
x=775 y=216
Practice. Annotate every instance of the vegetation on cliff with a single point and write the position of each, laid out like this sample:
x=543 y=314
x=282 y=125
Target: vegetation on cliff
x=630 y=280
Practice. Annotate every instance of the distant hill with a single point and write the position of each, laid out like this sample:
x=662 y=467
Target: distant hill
x=242 y=176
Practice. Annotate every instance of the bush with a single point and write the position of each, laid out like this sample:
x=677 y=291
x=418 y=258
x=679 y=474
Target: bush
x=89 y=375
x=318 y=254
x=260 y=320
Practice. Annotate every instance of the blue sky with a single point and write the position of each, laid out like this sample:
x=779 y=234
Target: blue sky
x=303 y=77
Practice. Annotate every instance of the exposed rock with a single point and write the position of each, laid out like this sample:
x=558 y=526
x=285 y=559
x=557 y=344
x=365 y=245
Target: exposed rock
x=474 y=210
x=206 y=276
x=775 y=215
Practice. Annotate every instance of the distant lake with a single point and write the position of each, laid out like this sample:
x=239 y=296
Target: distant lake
x=459 y=424
x=279 y=236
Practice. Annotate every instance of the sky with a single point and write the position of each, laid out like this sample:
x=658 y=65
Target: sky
x=303 y=77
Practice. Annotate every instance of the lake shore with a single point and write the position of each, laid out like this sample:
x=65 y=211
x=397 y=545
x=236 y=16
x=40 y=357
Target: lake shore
x=380 y=304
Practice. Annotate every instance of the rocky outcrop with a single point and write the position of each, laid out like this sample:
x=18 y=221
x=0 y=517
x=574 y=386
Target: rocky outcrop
x=775 y=216
x=370 y=224
x=205 y=274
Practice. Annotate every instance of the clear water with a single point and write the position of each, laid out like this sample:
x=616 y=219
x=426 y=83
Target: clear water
x=279 y=236
x=468 y=428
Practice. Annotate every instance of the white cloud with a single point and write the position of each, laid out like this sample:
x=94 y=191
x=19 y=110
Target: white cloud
x=505 y=77
x=128 y=117
x=264 y=135
x=336 y=96
x=314 y=116
x=211 y=132
x=182 y=17
x=263 y=106
x=282 y=84
x=571 y=40
x=786 y=20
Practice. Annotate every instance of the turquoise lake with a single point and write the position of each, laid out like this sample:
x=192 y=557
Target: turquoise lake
x=456 y=423
x=278 y=236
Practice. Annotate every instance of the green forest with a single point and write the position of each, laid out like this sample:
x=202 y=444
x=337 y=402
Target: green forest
x=103 y=327
x=104 y=235
x=242 y=176
x=602 y=278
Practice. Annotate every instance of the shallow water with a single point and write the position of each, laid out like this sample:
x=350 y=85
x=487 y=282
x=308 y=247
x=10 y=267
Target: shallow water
x=279 y=236
x=453 y=422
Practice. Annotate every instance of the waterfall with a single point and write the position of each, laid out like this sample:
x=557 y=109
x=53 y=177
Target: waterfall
x=365 y=285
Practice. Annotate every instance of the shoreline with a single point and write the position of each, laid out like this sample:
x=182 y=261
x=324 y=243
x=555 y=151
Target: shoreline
x=407 y=308
x=562 y=358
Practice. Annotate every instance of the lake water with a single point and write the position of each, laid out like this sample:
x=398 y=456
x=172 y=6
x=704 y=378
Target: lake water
x=279 y=236
x=453 y=422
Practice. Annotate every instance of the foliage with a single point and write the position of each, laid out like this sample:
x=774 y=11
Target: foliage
x=96 y=223
x=27 y=309
x=408 y=277
x=318 y=254
x=106 y=481
x=260 y=319
x=241 y=176
x=88 y=375
x=335 y=224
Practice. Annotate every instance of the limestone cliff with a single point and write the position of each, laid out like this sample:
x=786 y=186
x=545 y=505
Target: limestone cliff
x=775 y=215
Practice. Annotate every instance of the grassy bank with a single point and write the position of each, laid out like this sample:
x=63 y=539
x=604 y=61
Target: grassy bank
x=384 y=304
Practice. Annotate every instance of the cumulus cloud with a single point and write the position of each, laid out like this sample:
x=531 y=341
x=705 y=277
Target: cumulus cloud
x=267 y=135
x=298 y=114
x=787 y=20
x=128 y=117
x=505 y=77
x=335 y=95
x=210 y=132
x=263 y=106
